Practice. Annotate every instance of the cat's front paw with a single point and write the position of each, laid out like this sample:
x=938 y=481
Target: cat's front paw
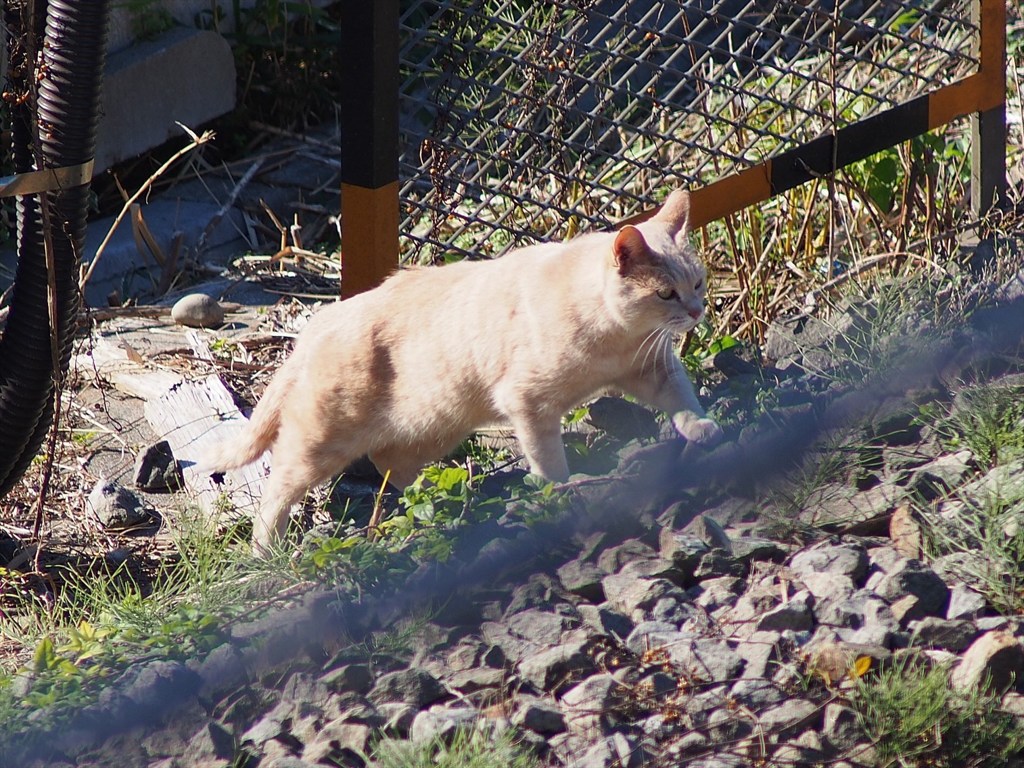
x=697 y=430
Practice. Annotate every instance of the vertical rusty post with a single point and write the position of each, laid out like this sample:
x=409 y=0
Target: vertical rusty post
x=369 y=143
x=988 y=127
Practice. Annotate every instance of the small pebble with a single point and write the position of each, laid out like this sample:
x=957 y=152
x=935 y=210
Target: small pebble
x=197 y=310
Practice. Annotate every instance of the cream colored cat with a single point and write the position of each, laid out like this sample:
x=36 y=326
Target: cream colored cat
x=404 y=372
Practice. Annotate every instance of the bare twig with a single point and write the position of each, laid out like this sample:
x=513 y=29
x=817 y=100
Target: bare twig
x=194 y=142
x=232 y=197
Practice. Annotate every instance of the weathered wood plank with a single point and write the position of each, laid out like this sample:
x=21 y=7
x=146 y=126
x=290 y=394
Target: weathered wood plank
x=191 y=415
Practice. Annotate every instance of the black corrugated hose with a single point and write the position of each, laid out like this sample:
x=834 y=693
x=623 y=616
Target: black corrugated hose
x=73 y=49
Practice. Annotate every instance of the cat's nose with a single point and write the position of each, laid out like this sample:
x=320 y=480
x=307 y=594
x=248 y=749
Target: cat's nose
x=695 y=313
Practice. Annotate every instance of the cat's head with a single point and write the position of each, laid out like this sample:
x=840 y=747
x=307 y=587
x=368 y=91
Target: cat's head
x=660 y=281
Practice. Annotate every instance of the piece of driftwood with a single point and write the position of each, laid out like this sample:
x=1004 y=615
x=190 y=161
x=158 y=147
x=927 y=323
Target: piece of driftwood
x=190 y=416
x=123 y=367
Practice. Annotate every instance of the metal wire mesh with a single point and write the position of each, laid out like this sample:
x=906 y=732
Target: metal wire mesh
x=525 y=121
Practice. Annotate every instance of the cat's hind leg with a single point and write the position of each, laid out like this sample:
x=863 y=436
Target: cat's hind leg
x=296 y=466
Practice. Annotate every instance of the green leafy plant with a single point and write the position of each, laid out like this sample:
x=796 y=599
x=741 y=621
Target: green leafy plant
x=915 y=718
x=286 y=54
x=148 y=18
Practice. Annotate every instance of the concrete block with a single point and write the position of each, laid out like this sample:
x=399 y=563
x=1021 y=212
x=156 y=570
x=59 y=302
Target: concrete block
x=185 y=76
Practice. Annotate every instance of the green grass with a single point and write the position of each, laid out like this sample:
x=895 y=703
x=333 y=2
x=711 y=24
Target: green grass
x=914 y=718
x=990 y=538
x=468 y=749
x=988 y=419
x=96 y=619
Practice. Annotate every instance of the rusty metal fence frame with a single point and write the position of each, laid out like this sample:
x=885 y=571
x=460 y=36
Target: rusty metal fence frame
x=441 y=92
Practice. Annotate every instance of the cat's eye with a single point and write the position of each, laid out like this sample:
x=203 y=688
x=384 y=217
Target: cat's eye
x=667 y=294
x=698 y=285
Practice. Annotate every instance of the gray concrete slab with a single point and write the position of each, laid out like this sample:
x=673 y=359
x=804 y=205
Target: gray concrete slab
x=184 y=76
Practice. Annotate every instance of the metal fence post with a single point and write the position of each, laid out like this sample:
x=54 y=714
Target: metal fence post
x=988 y=127
x=369 y=143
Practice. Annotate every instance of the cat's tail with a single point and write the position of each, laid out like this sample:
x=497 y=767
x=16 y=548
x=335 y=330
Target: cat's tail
x=256 y=437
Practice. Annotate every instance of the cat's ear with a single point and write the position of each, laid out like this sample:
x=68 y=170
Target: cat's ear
x=676 y=213
x=629 y=249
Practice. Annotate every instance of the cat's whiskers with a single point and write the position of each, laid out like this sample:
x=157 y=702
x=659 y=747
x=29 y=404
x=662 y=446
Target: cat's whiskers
x=659 y=347
x=652 y=337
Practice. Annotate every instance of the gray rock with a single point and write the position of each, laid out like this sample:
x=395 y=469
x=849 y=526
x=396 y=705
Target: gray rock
x=846 y=560
x=654 y=634
x=790 y=717
x=940 y=476
x=758 y=651
x=409 y=686
x=712 y=594
x=286 y=761
x=555 y=669
x=827 y=586
x=683 y=550
x=606 y=620
x=212 y=742
x=156 y=469
x=223 y=667
x=1005 y=481
x=673 y=610
x=749 y=549
x=996 y=657
x=952 y=635
x=749 y=609
x=615 y=751
x=841 y=726
x=719 y=761
x=633 y=595
x=584 y=579
x=197 y=310
x=725 y=725
x=355 y=708
x=512 y=647
x=337 y=740
x=991 y=623
x=964 y=603
x=539 y=716
x=711 y=532
x=269 y=726
x=795 y=753
x=398 y=717
x=590 y=707
x=912 y=577
x=442 y=723
x=796 y=614
x=622 y=419
x=117 y=507
x=699 y=707
x=706 y=659
x=718 y=564
x=862 y=608
x=468 y=681
x=613 y=559
x=541 y=627
x=692 y=742
x=350 y=677
x=757 y=694
x=791 y=337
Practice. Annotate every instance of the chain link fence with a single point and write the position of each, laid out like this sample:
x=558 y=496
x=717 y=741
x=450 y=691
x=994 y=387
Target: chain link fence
x=525 y=121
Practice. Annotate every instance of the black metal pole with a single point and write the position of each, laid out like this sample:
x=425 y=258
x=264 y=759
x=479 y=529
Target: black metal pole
x=369 y=143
